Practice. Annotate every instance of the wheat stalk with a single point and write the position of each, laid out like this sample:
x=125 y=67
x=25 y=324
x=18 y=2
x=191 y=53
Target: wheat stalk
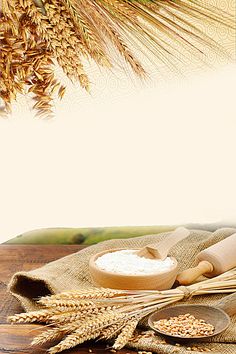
x=107 y=313
x=37 y=35
x=73 y=316
x=125 y=334
x=65 y=304
x=90 y=330
x=111 y=331
x=25 y=60
x=54 y=334
x=73 y=340
x=93 y=293
x=34 y=316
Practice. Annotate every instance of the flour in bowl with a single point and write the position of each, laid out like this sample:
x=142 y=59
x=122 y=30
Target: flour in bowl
x=129 y=263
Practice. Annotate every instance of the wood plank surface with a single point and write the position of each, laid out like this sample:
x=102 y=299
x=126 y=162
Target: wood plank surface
x=16 y=339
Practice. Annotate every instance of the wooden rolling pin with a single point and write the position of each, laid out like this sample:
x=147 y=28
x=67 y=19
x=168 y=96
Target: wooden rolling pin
x=213 y=261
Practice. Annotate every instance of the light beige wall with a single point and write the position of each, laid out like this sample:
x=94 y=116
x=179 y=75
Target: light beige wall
x=141 y=156
x=131 y=153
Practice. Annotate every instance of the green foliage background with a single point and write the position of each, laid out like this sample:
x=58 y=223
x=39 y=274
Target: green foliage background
x=89 y=236
x=86 y=236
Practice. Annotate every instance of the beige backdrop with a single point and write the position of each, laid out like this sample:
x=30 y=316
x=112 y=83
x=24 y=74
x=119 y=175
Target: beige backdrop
x=131 y=153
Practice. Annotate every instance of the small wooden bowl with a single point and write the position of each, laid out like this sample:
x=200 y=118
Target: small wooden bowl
x=213 y=315
x=155 y=281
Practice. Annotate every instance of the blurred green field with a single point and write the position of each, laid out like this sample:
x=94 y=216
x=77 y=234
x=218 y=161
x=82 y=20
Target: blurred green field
x=90 y=236
x=84 y=236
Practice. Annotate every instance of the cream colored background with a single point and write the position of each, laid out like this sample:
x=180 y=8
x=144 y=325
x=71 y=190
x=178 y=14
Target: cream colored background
x=130 y=154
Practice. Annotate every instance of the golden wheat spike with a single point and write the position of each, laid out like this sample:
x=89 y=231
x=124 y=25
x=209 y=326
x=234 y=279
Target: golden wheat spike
x=111 y=331
x=34 y=316
x=110 y=320
x=66 y=32
x=126 y=333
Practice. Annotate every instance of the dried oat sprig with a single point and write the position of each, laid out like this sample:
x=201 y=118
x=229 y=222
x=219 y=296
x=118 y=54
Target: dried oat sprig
x=25 y=62
x=67 y=31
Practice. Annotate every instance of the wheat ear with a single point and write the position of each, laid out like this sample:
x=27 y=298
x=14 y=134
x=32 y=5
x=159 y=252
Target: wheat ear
x=126 y=333
x=65 y=304
x=34 y=316
x=75 y=315
x=89 y=330
x=55 y=333
x=92 y=293
x=72 y=316
x=72 y=340
x=111 y=331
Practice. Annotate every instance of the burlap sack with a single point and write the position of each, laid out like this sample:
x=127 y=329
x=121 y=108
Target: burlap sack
x=71 y=272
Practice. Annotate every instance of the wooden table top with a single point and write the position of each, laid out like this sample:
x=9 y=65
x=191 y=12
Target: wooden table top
x=16 y=338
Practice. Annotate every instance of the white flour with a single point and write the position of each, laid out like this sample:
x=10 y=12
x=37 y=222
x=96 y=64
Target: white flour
x=127 y=262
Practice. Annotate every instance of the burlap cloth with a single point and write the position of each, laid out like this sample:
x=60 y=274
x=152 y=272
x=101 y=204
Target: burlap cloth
x=71 y=272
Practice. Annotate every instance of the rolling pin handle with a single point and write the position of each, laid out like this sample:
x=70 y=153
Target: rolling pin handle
x=228 y=304
x=189 y=275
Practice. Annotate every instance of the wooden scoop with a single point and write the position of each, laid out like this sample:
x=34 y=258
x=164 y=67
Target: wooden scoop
x=217 y=315
x=161 y=250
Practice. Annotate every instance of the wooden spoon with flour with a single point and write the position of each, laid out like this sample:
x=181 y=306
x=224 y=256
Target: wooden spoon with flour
x=161 y=249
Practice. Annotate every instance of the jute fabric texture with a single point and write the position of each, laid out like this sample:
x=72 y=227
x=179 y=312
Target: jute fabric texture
x=71 y=272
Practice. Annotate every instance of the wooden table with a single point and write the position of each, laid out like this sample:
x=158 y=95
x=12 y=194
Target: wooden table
x=16 y=338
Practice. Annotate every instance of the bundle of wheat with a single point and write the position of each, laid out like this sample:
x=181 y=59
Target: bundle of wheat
x=25 y=61
x=36 y=35
x=77 y=316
